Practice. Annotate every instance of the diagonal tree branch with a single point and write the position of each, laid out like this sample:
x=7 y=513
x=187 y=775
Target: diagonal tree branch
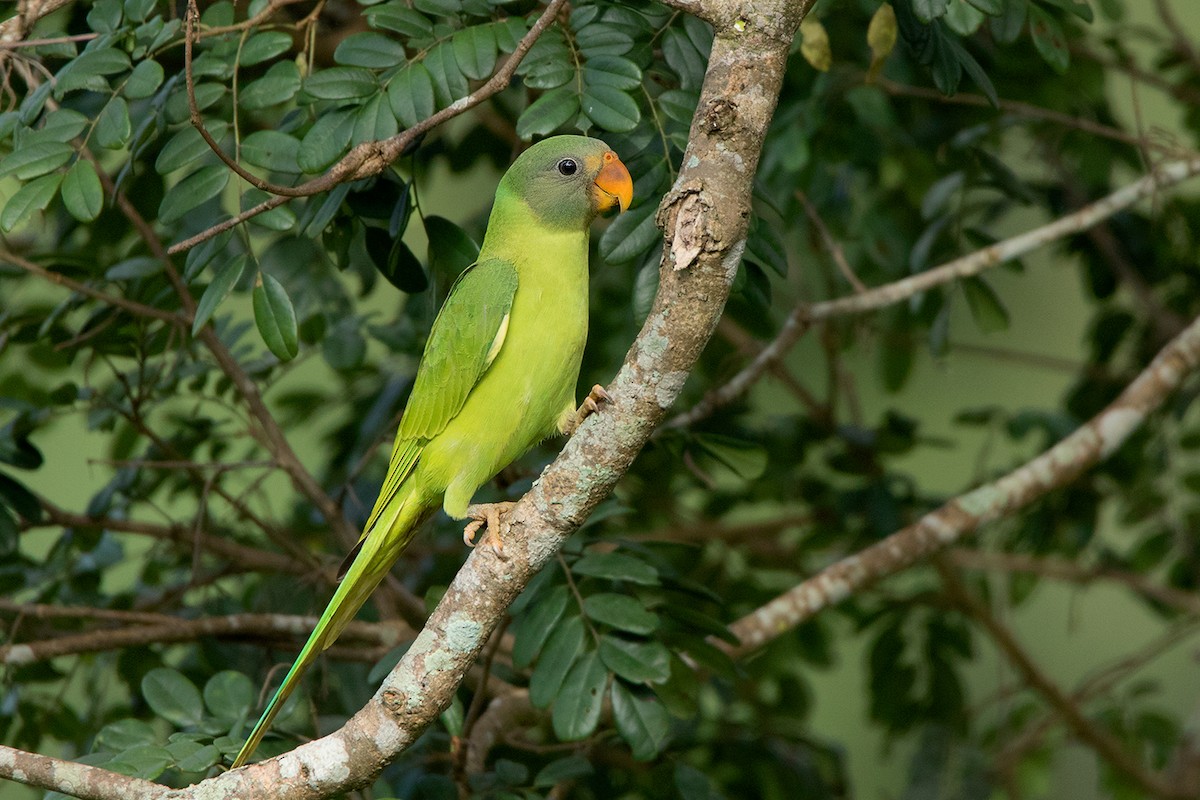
x=1090 y=443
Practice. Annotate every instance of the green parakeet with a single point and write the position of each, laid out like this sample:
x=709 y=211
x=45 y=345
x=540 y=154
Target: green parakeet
x=498 y=373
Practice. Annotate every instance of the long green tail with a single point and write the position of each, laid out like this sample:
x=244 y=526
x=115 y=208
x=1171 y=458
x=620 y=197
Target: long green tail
x=375 y=556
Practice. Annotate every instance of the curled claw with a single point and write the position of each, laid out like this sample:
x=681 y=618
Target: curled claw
x=596 y=398
x=493 y=517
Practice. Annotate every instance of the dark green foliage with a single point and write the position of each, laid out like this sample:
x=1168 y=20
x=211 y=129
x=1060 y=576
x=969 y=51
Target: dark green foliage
x=622 y=644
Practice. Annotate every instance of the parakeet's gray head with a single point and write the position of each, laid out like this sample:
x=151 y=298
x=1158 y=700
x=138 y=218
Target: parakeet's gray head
x=568 y=180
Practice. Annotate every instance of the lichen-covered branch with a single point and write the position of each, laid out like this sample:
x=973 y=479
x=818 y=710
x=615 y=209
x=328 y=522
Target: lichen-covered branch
x=1062 y=463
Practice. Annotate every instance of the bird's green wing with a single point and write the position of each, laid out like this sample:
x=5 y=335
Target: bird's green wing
x=466 y=337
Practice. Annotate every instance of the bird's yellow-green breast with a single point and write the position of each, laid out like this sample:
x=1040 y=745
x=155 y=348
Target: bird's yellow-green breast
x=499 y=370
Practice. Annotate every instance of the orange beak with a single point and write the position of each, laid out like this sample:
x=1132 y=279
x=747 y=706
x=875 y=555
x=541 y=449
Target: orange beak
x=614 y=187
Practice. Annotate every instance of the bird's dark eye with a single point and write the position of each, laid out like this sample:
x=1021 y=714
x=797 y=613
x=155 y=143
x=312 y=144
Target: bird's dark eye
x=567 y=167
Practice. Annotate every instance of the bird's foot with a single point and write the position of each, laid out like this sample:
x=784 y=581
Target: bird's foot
x=590 y=405
x=493 y=516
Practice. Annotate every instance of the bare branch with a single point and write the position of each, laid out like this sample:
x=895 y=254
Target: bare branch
x=1062 y=463
x=174 y=630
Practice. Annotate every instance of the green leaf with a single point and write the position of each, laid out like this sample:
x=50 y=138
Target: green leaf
x=509 y=32
x=105 y=16
x=186 y=146
x=369 y=49
x=1080 y=8
x=963 y=18
x=1049 y=40
x=279 y=218
x=451 y=250
x=60 y=125
x=986 y=309
x=558 y=655
x=614 y=71
x=275 y=318
x=610 y=108
x=564 y=769
x=36 y=159
x=133 y=268
x=113 y=127
x=928 y=10
x=341 y=83
x=145 y=761
x=144 y=81
x=642 y=723
x=16 y=496
x=172 y=696
x=344 y=348
x=207 y=94
x=475 y=51
x=124 y=734
x=577 y=707
x=438 y=8
x=399 y=265
x=264 y=46
x=229 y=695
x=548 y=113
x=138 y=10
x=81 y=191
x=33 y=196
x=279 y=85
x=618 y=611
x=410 y=95
x=1007 y=27
x=222 y=284
x=682 y=56
x=617 y=567
x=396 y=16
x=747 y=460
x=199 y=187
x=534 y=627
x=992 y=8
x=630 y=235
x=550 y=74
x=637 y=662
x=599 y=39
x=678 y=104
x=449 y=83
x=201 y=759
x=87 y=70
x=325 y=141
x=374 y=121
x=273 y=150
